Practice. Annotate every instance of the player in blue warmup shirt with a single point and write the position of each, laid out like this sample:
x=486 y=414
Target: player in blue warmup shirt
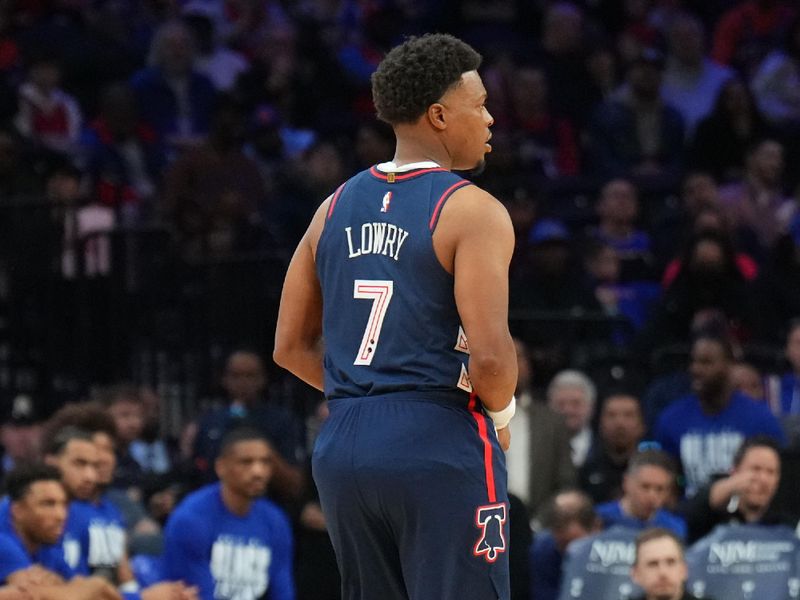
x=395 y=304
x=228 y=540
x=80 y=443
x=704 y=429
x=30 y=551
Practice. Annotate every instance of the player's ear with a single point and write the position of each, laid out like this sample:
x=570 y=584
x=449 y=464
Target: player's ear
x=219 y=466
x=436 y=115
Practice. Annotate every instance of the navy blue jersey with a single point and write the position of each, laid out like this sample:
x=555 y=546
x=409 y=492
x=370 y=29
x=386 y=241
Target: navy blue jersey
x=390 y=322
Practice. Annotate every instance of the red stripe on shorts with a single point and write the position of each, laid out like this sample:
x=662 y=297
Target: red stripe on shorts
x=483 y=432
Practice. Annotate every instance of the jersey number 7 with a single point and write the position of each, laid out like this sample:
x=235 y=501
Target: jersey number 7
x=380 y=292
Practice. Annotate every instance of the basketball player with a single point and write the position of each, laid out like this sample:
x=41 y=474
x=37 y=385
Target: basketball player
x=395 y=304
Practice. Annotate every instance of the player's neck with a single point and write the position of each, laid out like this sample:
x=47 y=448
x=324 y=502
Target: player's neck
x=30 y=544
x=236 y=503
x=413 y=149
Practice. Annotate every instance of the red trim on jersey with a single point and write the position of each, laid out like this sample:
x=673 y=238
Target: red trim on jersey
x=401 y=176
x=447 y=193
x=483 y=432
x=336 y=195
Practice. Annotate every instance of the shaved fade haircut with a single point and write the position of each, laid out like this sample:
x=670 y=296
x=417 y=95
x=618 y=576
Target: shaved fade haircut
x=417 y=73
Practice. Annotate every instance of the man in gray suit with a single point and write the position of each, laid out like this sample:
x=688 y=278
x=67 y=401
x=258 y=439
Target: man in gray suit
x=539 y=462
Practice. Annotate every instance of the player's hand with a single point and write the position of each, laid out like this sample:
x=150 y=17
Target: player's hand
x=36 y=575
x=170 y=590
x=92 y=588
x=504 y=437
x=13 y=592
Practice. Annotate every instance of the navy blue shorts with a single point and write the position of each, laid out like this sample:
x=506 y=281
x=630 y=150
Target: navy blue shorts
x=414 y=492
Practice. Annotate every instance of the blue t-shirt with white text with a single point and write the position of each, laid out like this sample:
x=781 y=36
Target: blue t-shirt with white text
x=229 y=557
x=94 y=536
x=705 y=444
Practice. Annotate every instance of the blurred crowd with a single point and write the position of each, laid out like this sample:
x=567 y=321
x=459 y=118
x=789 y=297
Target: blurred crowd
x=160 y=159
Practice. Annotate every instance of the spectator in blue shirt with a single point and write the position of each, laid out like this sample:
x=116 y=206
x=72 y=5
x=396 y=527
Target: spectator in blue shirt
x=245 y=383
x=648 y=483
x=704 y=429
x=225 y=538
x=30 y=553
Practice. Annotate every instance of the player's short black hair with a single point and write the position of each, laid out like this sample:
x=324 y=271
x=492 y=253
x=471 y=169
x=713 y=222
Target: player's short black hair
x=417 y=73
x=755 y=441
x=244 y=433
x=719 y=339
x=91 y=417
x=20 y=480
x=652 y=458
x=58 y=443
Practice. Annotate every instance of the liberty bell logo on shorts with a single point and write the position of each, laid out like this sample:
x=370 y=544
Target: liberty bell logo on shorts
x=490 y=520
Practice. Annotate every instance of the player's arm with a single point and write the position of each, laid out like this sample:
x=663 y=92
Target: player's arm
x=281 y=571
x=187 y=555
x=298 y=336
x=79 y=588
x=478 y=230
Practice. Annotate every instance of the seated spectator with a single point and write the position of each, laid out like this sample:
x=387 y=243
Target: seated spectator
x=691 y=79
x=714 y=219
x=776 y=83
x=660 y=566
x=620 y=429
x=547 y=144
x=245 y=385
x=698 y=191
x=647 y=488
x=633 y=300
x=217 y=62
x=788 y=400
x=30 y=553
x=721 y=140
x=545 y=279
x=708 y=282
x=48 y=116
x=539 y=462
x=20 y=433
x=704 y=429
x=562 y=52
x=213 y=193
x=747 y=379
x=746 y=32
x=125 y=156
x=744 y=495
x=569 y=516
x=172 y=95
x=572 y=394
x=757 y=201
x=638 y=135
x=618 y=211
x=779 y=284
x=225 y=538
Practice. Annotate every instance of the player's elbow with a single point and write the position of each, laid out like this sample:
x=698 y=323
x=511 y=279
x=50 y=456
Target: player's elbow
x=493 y=367
x=282 y=353
x=289 y=350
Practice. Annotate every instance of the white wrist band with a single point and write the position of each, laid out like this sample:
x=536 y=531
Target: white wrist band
x=129 y=587
x=503 y=417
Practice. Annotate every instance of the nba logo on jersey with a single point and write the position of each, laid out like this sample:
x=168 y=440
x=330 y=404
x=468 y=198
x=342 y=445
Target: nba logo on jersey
x=387 y=198
x=490 y=520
